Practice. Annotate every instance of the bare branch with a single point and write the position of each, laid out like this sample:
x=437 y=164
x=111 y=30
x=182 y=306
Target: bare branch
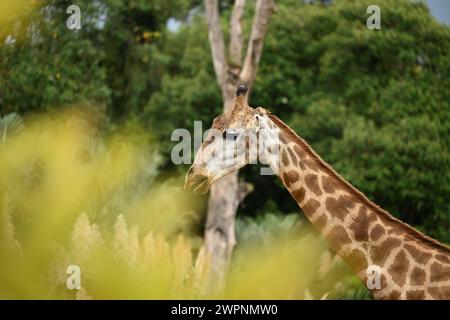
x=216 y=42
x=263 y=13
x=236 y=38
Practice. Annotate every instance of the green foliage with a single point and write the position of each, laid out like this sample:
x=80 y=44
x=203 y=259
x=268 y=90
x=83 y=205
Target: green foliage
x=374 y=103
x=113 y=61
x=48 y=66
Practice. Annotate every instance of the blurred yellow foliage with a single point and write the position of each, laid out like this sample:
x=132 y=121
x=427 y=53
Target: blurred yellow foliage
x=69 y=195
x=12 y=11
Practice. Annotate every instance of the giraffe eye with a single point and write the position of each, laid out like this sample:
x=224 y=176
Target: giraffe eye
x=230 y=135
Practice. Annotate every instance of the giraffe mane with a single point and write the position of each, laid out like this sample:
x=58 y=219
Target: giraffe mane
x=409 y=230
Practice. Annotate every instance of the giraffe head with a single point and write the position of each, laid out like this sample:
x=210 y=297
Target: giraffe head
x=228 y=146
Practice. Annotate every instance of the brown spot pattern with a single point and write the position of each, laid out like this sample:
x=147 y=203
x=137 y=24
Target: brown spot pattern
x=329 y=184
x=360 y=225
x=380 y=253
x=399 y=268
x=301 y=165
x=312 y=182
x=418 y=276
x=284 y=158
x=290 y=177
x=377 y=232
x=284 y=138
x=419 y=255
x=357 y=259
x=302 y=154
x=311 y=164
x=340 y=207
x=310 y=207
x=292 y=155
x=415 y=295
x=442 y=258
x=440 y=292
x=439 y=272
x=338 y=237
x=299 y=194
x=393 y=295
x=321 y=222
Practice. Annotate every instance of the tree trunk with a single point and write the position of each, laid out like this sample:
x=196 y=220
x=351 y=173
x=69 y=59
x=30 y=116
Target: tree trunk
x=227 y=193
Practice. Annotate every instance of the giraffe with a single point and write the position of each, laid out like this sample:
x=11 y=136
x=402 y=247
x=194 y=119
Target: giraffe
x=410 y=265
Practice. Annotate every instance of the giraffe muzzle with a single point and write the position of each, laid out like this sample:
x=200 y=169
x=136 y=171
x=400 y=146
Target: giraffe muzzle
x=197 y=183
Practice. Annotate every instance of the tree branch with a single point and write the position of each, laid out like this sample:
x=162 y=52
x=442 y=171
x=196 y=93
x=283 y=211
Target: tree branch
x=264 y=9
x=236 y=38
x=216 y=42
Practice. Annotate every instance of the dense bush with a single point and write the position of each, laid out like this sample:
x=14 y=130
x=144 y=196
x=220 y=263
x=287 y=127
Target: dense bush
x=373 y=103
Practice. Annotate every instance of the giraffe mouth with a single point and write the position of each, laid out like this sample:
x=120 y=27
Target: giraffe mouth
x=198 y=183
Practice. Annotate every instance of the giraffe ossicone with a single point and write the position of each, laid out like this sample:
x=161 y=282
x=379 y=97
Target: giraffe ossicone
x=408 y=264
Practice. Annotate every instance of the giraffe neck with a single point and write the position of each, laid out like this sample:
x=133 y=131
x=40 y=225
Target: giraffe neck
x=391 y=258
